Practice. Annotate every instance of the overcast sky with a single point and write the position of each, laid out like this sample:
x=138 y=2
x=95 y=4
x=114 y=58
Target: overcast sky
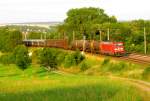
x=12 y=11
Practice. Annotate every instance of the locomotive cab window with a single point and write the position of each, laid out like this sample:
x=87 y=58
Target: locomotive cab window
x=119 y=44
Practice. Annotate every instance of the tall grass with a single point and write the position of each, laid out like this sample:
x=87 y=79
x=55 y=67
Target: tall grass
x=146 y=73
x=38 y=85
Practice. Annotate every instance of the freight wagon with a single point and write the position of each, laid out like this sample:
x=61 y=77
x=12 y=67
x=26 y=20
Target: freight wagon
x=108 y=48
x=47 y=43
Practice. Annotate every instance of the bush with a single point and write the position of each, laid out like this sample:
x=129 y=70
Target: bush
x=73 y=59
x=21 y=56
x=146 y=73
x=84 y=66
x=7 y=59
x=69 y=60
x=78 y=57
x=139 y=48
x=48 y=59
x=61 y=57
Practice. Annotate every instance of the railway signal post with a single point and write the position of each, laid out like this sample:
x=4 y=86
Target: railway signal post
x=84 y=38
x=145 y=47
x=73 y=35
x=108 y=30
x=100 y=36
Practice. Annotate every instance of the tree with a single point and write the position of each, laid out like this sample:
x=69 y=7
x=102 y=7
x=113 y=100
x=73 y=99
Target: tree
x=9 y=39
x=81 y=19
x=22 y=58
x=48 y=58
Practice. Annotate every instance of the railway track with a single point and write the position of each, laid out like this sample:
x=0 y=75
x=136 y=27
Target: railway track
x=137 y=58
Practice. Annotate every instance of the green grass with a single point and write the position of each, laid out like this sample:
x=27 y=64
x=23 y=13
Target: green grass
x=108 y=66
x=35 y=84
x=146 y=73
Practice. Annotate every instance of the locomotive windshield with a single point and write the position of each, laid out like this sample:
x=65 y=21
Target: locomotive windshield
x=119 y=44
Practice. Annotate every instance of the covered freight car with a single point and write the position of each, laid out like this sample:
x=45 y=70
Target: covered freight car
x=94 y=46
x=57 y=43
x=80 y=44
x=112 y=48
x=34 y=42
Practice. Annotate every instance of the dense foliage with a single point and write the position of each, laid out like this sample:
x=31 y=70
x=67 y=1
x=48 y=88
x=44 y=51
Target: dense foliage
x=92 y=22
x=9 y=38
x=21 y=56
x=7 y=59
x=52 y=58
x=48 y=59
x=82 y=20
x=73 y=59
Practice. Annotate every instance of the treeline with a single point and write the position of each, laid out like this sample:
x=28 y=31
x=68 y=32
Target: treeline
x=92 y=22
x=48 y=58
x=25 y=28
x=54 y=58
x=9 y=39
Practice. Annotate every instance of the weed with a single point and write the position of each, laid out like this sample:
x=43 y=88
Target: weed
x=105 y=61
x=146 y=73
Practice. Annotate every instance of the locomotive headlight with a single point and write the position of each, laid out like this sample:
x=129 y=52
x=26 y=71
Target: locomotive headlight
x=116 y=49
x=121 y=48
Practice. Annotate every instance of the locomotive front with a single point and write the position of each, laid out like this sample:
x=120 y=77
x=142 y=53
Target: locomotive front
x=119 y=49
x=112 y=48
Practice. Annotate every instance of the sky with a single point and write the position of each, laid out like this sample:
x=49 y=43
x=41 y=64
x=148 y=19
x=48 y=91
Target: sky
x=17 y=11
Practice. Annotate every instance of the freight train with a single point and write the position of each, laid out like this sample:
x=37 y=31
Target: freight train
x=107 y=48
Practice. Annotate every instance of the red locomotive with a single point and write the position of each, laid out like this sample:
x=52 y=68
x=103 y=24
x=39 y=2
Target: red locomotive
x=112 y=48
x=108 y=48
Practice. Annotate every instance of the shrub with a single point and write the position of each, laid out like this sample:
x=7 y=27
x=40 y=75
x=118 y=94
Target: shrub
x=48 y=59
x=84 y=66
x=7 y=59
x=61 y=57
x=146 y=73
x=74 y=58
x=69 y=61
x=78 y=57
x=139 y=48
x=22 y=58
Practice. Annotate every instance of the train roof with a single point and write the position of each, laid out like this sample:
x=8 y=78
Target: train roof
x=110 y=42
x=34 y=40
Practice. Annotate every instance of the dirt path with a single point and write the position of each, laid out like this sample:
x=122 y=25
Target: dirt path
x=142 y=86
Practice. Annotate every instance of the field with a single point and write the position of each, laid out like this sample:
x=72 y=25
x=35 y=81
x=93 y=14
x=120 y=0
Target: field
x=35 y=84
